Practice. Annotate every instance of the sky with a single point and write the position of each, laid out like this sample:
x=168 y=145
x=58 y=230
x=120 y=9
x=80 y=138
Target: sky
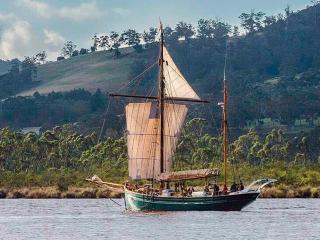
x=30 y=26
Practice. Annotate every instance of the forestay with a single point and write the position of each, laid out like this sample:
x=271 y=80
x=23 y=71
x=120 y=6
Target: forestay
x=143 y=137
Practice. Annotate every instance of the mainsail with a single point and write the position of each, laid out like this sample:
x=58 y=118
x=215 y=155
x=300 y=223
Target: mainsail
x=175 y=83
x=143 y=133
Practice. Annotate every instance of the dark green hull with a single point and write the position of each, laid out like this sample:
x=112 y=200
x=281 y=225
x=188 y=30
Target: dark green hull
x=142 y=202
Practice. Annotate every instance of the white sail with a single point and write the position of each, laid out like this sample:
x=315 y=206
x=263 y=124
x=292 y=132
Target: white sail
x=175 y=83
x=143 y=133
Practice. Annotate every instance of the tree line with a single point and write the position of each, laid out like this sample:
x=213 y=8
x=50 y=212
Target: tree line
x=21 y=75
x=62 y=148
x=214 y=29
x=85 y=110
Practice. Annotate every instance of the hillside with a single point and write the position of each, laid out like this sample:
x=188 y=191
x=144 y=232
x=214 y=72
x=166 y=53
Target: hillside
x=273 y=71
x=4 y=67
x=91 y=71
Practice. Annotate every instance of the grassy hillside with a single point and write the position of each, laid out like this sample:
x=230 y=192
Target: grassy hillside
x=273 y=71
x=91 y=71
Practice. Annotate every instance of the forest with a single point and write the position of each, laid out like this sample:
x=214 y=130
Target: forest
x=41 y=160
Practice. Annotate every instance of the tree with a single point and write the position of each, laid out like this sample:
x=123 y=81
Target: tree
x=95 y=43
x=246 y=148
x=41 y=57
x=115 y=42
x=68 y=49
x=28 y=69
x=235 y=32
x=104 y=42
x=184 y=30
x=220 y=30
x=132 y=39
x=150 y=36
x=213 y=29
x=170 y=35
x=75 y=53
x=269 y=20
x=288 y=11
x=252 y=21
x=97 y=100
x=83 y=51
x=205 y=29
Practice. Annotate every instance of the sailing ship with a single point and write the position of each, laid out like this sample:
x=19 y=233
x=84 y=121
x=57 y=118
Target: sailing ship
x=153 y=129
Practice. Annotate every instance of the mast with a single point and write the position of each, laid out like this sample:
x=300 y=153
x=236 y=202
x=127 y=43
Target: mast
x=161 y=102
x=225 y=122
x=225 y=130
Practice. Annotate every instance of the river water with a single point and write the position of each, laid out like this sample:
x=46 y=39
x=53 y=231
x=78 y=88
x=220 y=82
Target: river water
x=103 y=219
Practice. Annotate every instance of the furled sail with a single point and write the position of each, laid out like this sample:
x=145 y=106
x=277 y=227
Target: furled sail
x=188 y=174
x=143 y=137
x=175 y=83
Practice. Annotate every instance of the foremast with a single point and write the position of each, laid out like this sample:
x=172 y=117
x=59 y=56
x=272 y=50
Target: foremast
x=161 y=96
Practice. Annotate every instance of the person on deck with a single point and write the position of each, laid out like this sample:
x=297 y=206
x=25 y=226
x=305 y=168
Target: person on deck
x=216 y=189
x=206 y=189
x=233 y=187
x=241 y=187
x=225 y=189
x=189 y=192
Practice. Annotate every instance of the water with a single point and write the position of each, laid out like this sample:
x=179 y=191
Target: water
x=102 y=219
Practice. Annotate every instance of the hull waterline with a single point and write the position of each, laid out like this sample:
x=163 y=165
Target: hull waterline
x=233 y=202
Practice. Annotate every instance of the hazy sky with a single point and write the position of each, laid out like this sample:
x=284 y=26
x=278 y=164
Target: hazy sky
x=28 y=26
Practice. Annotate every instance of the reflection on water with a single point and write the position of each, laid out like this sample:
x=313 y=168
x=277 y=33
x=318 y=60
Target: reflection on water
x=103 y=219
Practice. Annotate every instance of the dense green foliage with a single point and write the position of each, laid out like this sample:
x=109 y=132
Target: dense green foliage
x=56 y=108
x=21 y=75
x=63 y=153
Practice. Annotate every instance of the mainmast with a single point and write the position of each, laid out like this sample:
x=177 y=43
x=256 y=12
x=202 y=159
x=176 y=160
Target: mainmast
x=225 y=122
x=161 y=101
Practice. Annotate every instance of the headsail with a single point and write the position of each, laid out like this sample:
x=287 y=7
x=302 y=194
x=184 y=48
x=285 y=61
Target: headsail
x=143 y=132
x=175 y=83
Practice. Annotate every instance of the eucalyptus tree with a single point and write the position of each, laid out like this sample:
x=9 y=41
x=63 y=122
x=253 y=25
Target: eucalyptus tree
x=68 y=48
x=115 y=41
x=170 y=35
x=95 y=44
x=41 y=57
x=132 y=38
x=252 y=21
x=184 y=30
x=149 y=37
x=104 y=42
x=28 y=69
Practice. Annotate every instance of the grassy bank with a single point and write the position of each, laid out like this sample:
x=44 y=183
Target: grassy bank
x=55 y=192
x=99 y=192
x=294 y=181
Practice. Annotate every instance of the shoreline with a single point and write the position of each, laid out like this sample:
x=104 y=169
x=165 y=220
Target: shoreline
x=100 y=192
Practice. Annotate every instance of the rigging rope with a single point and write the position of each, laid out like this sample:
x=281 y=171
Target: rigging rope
x=104 y=121
x=137 y=77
